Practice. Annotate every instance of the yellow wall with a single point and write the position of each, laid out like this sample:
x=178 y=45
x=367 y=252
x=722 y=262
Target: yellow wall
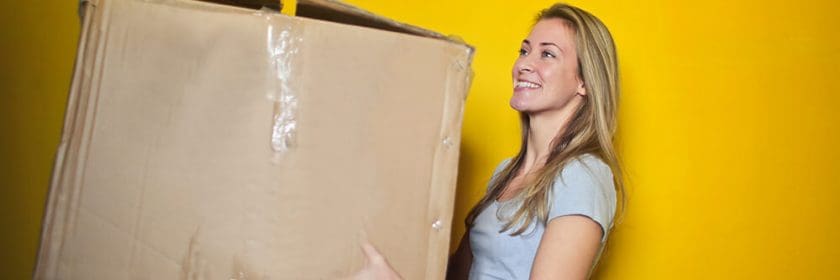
x=37 y=48
x=729 y=129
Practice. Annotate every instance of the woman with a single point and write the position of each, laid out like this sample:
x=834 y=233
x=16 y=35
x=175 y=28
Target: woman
x=548 y=210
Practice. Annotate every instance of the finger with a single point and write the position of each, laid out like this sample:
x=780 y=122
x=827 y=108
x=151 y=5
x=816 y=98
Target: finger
x=371 y=253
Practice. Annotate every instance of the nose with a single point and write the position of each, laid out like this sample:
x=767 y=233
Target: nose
x=524 y=65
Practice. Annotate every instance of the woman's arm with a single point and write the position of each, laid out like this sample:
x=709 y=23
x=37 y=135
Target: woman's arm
x=567 y=249
x=461 y=260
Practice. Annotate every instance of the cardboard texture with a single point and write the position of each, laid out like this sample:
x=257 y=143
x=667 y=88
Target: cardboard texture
x=170 y=165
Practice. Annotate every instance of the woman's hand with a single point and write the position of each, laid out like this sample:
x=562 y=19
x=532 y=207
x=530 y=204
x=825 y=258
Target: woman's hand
x=376 y=266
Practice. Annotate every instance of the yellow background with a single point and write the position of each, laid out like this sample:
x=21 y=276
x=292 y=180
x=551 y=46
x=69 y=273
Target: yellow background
x=729 y=127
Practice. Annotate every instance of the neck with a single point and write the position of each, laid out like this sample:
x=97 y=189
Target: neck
x=544 y=128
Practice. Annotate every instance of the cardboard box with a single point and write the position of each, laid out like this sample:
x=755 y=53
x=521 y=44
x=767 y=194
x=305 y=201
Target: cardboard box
x=205 y=141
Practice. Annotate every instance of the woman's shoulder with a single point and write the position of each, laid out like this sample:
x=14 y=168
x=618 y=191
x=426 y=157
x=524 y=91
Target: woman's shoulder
x=587 y=165
x=585 y=173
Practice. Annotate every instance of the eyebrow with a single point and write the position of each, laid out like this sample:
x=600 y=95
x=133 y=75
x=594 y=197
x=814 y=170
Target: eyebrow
x=544 y=44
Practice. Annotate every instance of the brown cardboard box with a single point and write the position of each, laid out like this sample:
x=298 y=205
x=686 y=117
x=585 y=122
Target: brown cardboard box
x=205 y=141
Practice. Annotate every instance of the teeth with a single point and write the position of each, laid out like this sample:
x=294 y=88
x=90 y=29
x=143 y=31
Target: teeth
x=524 y=84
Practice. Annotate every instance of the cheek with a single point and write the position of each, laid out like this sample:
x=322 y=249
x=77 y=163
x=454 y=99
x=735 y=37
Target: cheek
x=561 y=81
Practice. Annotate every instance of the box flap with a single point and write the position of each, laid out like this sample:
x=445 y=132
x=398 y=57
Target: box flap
x=339 y=12
x=251 y=4
x=336 y=11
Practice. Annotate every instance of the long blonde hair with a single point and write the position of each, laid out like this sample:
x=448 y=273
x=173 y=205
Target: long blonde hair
x=590 y=131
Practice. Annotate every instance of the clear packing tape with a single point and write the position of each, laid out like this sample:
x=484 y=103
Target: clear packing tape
x=282 y=44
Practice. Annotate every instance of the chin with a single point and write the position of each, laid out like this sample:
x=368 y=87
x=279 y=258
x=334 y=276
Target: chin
x=519 y=106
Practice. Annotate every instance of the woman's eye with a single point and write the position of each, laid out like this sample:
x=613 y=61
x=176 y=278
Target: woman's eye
x=548 y=54
x=523 y=52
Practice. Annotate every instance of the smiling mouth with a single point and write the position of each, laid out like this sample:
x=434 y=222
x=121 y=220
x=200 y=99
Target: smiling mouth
x=525 y=85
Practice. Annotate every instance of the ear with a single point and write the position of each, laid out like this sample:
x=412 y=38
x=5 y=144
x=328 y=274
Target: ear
x=581 y=88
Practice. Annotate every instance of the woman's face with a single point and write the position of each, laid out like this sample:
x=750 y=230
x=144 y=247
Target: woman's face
x=545 y=76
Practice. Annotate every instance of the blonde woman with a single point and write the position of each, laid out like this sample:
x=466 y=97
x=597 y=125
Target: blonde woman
x=549 y=209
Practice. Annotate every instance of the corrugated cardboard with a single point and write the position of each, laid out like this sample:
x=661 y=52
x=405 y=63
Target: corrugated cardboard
x=167 y=169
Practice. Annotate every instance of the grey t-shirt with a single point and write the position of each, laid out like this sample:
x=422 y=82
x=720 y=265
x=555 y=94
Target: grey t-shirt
x=585 y=187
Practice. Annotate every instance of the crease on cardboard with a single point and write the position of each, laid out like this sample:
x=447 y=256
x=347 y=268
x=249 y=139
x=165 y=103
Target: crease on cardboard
x=88 y=122
x=282 y=43
x=193 y=266
x=52 y=220
x=139 y=205
x=445 y=172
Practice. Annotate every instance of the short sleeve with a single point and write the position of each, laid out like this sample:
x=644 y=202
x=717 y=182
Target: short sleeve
x=585 y=187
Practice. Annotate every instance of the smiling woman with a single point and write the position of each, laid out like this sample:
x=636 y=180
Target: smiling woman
x=548 y=210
